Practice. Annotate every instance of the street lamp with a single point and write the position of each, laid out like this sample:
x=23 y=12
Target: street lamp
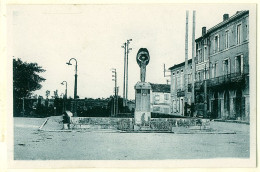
x=75 y=85
x=66 y=87
x=65 y=96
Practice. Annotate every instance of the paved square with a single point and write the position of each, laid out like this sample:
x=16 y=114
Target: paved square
x=30 y=144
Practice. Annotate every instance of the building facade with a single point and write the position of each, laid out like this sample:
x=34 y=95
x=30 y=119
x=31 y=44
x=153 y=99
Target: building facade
x=221 y=83
x=222 y=68
x=160 y=98
x=178 y=87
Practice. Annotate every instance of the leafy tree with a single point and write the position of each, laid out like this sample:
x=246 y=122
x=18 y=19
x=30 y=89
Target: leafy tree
x=26 y=79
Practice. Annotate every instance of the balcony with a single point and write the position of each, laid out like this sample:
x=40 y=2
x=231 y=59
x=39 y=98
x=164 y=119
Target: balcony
x=229 y=80
x=198 y=85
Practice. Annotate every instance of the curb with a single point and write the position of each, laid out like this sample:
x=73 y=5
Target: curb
x=40 y=128
x=231 y=121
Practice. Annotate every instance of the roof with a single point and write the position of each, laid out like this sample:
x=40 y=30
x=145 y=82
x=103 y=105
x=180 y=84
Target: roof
x=180 y=64
x=163 y=88
x=223 y=23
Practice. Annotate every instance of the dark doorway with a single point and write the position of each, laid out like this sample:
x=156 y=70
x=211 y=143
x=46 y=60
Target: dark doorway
x=226 y=103
x=215 y=106
x=238 y=104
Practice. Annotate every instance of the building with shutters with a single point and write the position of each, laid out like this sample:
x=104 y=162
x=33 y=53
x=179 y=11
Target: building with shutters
x=160 y=98
x=178 y=87
x=222 y=68
x=221 y=83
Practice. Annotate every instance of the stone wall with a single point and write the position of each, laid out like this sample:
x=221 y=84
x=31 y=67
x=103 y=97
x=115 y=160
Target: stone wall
x=126 y=124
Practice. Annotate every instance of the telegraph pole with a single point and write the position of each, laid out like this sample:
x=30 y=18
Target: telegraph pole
x=127 y=52
x=115 y=90
x=205 y=93
x=124 y=97
x=186 y=64
x=193 y=62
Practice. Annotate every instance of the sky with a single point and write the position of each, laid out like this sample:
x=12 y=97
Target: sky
x=93 y=34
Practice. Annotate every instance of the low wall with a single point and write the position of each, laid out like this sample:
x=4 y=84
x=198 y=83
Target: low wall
x=164 y=124
x=99 y=122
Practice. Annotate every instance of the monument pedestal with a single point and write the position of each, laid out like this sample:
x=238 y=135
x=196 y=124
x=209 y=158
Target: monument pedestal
x=142 y=100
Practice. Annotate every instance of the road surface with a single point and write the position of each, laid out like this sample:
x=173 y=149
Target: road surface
x=31 y=144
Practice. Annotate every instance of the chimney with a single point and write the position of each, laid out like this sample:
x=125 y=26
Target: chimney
x=204 y=30
x=225 y=17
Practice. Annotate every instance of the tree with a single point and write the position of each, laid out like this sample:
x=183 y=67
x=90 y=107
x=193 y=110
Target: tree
x=26 y=79
x=47 y=93
x=55 y=93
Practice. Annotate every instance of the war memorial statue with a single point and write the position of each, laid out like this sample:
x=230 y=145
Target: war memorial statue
x=142 y=90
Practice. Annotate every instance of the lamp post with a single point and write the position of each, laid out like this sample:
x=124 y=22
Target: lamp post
x=65 y=96
x=127 y=52
x=75 y=85
x=65 y=88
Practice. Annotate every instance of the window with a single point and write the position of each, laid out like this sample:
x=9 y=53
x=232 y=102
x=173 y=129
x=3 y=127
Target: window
x=226 y=67
x=138 y=91
x=157 y=97
x=199 y=55
x=166 y=110
x=215 y=69
x=247 y=30
x=205 y=53
x=206 y=74
x=212 y=71
x=156 y=109
x=189 y=78
x=239 y=64
x=173 y=83
x=205 y=41
x=216 y=43
x=202 y=75
x=178 y=82
x=166 y=96
x=182 y=78
x=239 y=34
x=227 y=39
x=199 y=76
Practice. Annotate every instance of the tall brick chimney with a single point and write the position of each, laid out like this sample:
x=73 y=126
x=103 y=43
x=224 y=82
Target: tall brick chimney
x=225 y=17
x=204 y=30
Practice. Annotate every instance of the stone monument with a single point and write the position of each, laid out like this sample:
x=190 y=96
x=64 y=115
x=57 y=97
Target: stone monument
x=142 y=90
